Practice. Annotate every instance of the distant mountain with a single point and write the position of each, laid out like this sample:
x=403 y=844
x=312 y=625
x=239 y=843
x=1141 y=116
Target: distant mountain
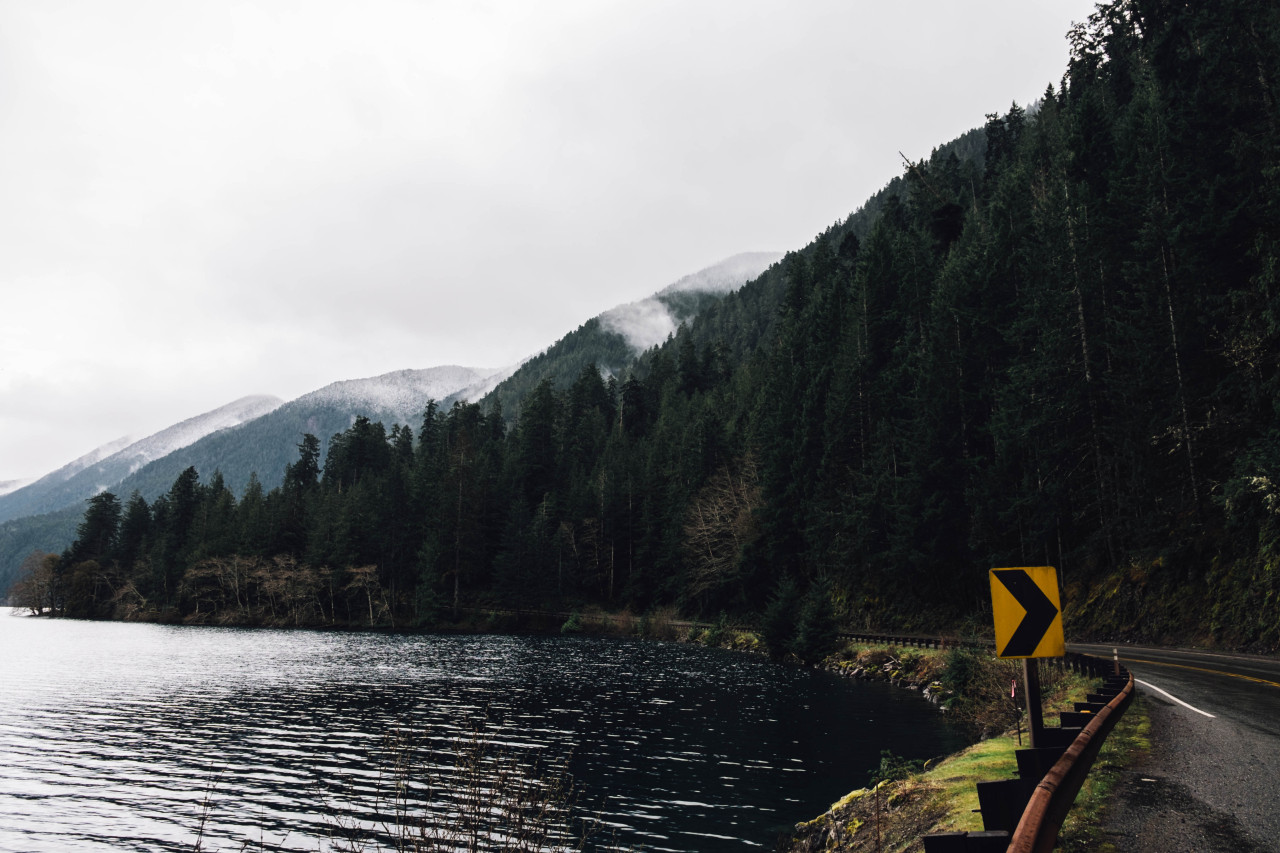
x=613 y=340
x=66 y=472
x=402 y=395
x=729 y=274
x=238 y=446
x=19 y=538
x=265 y=445
x=93 y=457
x=107 y=465
x=7 y=486
x=651 y=321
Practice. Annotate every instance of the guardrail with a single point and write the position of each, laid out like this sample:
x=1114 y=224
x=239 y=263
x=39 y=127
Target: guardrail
x=1038 y=829
x=919 y=641
x=1024 y=815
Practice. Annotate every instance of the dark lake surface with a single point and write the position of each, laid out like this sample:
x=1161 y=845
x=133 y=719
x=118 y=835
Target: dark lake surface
x=112 y=735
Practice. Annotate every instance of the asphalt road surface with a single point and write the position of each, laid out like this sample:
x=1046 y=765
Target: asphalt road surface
x=1212 y=781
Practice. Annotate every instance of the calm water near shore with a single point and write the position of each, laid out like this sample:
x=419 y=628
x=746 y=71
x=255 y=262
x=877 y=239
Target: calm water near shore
x=111 y=733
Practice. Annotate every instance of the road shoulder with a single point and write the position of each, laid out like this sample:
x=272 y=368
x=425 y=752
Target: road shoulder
x=1154 y=809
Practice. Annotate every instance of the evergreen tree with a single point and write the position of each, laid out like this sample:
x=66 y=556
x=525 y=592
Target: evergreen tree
x=97 y=534
x=778 y=623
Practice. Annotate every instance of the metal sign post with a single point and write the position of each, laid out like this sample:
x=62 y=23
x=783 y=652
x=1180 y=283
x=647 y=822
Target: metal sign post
x=1035 y=713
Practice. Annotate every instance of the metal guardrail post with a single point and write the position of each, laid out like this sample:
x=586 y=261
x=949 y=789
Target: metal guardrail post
x=1037 y=832
x=1067 y=755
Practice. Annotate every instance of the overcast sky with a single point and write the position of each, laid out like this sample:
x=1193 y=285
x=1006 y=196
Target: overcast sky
x=200 y=201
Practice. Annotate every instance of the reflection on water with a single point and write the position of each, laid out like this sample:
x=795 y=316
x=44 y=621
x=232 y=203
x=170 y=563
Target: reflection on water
x=111 y=734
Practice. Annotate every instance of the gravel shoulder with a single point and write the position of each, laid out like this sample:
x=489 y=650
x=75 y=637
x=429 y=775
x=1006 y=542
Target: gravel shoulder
x=1207 y=785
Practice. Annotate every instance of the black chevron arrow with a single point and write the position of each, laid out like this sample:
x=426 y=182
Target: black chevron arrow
x=1040 y=613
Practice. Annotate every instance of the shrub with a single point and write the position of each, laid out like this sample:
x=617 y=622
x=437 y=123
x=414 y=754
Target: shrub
x=893 y=767
x=963 y=670
x=979 y=683
x=717 y=633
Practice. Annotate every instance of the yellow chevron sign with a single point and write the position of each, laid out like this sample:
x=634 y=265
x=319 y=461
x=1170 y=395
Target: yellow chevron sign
x=1028 y=612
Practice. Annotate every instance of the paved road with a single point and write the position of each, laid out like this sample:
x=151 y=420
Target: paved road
x=1212 y=782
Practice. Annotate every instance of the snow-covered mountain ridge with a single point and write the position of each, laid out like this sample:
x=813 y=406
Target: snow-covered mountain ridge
x=232 y=438
x=648 y=322
x=7 y=486
x=729 y=274
x=93 y=457
x=403 y=391
x=190 y=431
x=107 y=465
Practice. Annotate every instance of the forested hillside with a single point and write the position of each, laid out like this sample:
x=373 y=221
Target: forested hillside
x=612 y=340
x=1063 y=352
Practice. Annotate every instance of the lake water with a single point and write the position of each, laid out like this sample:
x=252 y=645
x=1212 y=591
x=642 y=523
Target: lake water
x=133 y=737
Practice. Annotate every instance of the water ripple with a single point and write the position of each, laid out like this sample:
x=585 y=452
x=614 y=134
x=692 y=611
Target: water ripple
x=126 y=737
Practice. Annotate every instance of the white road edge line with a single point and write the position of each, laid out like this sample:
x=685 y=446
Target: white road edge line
x=1174 y=698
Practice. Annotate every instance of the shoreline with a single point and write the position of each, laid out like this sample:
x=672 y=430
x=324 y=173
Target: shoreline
x=921 y=671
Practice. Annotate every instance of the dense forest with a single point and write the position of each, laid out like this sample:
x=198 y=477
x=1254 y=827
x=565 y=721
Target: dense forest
x=1060 y=348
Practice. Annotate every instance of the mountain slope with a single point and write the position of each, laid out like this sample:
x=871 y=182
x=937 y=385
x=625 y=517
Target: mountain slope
x=613 y=340
x=93 y=457
x=107 y=465
x=9 y=486
x=264 y=446
x=729 y=274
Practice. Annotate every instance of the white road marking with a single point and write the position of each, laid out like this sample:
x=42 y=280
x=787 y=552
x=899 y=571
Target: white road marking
x=1174 y=698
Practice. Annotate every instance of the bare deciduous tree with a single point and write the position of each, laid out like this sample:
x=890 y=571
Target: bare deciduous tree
x=33 y=590
x=719 y=523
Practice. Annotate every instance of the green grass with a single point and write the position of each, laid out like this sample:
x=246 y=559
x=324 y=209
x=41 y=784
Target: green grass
x=994 y=759
x=958 y=777
x=1128 y=742
x=944 y=798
